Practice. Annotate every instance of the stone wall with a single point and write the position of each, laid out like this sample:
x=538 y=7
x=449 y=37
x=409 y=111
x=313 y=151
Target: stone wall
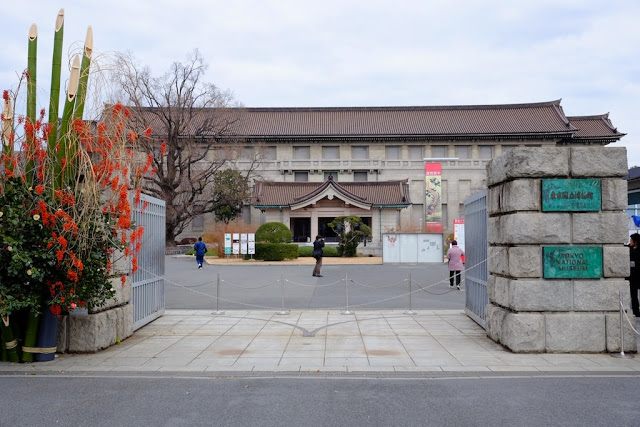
x=528 y=312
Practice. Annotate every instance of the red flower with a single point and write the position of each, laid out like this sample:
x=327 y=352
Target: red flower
x=163 y=148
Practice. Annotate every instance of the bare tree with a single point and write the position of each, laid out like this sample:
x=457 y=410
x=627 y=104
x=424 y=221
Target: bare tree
x=192 y=126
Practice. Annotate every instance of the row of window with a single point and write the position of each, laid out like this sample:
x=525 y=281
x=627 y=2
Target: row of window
x=358 y=176
x=392 y=152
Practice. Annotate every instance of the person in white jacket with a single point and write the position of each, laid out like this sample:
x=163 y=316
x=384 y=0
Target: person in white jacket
x=456 y=265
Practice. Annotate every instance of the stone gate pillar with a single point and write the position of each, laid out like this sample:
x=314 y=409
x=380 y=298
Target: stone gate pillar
x=557 y=259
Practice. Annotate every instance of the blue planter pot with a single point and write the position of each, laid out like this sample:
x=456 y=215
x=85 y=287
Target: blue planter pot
x=47 y=336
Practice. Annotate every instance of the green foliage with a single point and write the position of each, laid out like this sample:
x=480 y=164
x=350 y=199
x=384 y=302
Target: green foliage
x=230 y=191
x=351 y=231
x=276 y=251
x=273 y=232
x=328 y=251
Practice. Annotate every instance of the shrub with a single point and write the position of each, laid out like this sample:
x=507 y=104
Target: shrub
x=328 y=251
x=273 y=232
x=276 y=251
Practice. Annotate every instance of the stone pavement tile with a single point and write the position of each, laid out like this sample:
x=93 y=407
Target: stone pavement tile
x=419 y=343
x=194 y=320
x=125 y=361
x=268 y=343
x=512 y=368
x=480 y=361
x=380 y=368
x=257 y=363
x=307 y=345
x=568 y=360
x=261 y=353
x=304 y=353
x=418 y=369
x=567 y=368
x=607 y=360
x=176 y=354
x=96 y=368
x=436 y=361
x=301 y=361
x=187 y=368
x=193 y=343
x=470 y=353
x=211 y=330
x=231 y=342
x=512 y=359
x=424 y=354
x=346 y=353
x=345 y=361
x=224 y=369
x=391 y=361
x=208 y=362
x=465 y=368
x=323 y=368
x=138 y=351
x=602 y=368
x=158 y=363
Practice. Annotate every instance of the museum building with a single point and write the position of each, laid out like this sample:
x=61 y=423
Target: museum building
x=319 y=163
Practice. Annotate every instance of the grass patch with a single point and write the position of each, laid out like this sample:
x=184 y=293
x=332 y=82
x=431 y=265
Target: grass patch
x=328 y=251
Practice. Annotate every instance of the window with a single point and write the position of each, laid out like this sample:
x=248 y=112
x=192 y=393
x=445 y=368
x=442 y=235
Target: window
x=360 y=176
x=301 y=176
x=247 y=153
x=269 y=153
x=439 y=151
x=301 y=153
x=360 y=152
x=197 y=223
x=331 y=152
x=445 y=215
x=393 y=152
x=332 y=174
x=486 y=151
x=415 y=152
x=462 y=152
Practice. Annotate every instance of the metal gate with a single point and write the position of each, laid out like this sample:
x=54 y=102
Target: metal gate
x=148 y=281
x=476 y=250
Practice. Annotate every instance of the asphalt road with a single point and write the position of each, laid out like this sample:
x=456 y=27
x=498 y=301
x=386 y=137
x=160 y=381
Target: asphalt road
x=259 y=286
x=178 y=400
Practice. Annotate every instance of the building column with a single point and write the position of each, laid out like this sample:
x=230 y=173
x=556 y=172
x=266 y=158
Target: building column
x=314 y=224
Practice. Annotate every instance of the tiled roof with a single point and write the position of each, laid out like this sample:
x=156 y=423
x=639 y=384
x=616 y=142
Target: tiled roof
x=538 y=118
x=594 y=127
x=532 y=119
x=375 y=193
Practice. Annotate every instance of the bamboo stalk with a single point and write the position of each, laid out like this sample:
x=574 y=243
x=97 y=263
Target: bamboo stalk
x=10 y=342
x=32 y=57
x=56 y=66
x=30 y=335
x=7 y=128
x=84 y=75
x=66 y=141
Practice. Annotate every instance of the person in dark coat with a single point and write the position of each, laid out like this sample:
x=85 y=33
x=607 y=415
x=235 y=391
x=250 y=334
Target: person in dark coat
x=456 y=264
x=634 y=276
x=317 y=254
x=201 y=250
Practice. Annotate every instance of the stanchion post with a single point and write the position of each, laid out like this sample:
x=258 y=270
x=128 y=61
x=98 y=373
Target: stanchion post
x=282 y=312
x=218 y=312
x=346 y=286
x=621 y=354
x=410 y=311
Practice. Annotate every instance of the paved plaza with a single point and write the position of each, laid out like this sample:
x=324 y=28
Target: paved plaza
x=307 y=340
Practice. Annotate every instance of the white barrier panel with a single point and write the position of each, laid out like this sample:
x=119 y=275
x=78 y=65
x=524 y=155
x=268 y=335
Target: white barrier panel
x=412 y=248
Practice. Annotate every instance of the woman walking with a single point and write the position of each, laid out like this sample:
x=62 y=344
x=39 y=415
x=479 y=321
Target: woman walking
x=454 y=255
x=317 y=254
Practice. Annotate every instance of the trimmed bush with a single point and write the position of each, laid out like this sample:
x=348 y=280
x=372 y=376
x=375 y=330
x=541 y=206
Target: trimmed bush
x=273 y=232
x=276 y=251
x=328 y=251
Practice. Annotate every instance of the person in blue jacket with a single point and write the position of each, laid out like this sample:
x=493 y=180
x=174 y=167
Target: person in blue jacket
x=201 y=250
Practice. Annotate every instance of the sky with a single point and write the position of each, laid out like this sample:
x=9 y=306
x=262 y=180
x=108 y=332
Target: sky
x=331 y=53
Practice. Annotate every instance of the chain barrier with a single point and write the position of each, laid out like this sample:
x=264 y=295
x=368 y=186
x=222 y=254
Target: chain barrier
x=378 y=287
x=249 y=287
x=418 y=288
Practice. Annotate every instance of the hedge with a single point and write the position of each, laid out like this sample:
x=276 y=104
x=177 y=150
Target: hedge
x=273 y=232
x=276 y=251
x=328 y=251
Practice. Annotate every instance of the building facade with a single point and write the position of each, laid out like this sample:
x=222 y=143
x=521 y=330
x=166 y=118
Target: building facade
x=320 y=163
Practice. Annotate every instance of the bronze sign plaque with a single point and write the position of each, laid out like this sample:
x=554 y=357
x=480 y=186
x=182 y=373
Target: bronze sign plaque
x=572 y=262
x=561 y=195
